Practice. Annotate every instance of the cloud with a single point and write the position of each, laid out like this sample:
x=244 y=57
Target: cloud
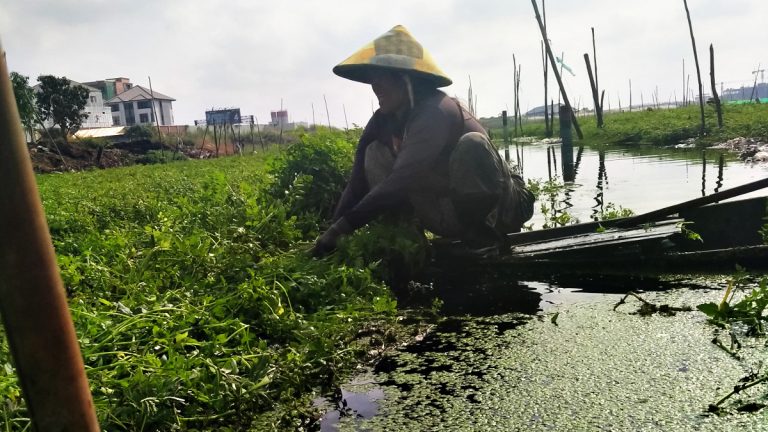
x=252 y=54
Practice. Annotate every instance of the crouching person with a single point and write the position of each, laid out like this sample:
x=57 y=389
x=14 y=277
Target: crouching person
x=421 y=150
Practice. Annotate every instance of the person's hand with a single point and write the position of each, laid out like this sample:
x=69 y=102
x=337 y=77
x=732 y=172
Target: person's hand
x=326 y=243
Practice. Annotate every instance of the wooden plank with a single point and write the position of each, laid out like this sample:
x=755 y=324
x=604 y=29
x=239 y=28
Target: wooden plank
x=584 y=242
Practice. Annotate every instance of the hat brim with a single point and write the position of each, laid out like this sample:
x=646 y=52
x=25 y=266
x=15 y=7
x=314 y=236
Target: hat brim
x=362 y=73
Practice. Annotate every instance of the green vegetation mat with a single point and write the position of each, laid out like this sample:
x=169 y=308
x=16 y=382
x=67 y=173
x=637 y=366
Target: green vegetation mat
x=195 y=303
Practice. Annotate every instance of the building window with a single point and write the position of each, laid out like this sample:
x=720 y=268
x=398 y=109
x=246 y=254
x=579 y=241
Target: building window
x=115 y=108
x=144 y=105
x=143 y=118
x=93 y=99
x=115 y=120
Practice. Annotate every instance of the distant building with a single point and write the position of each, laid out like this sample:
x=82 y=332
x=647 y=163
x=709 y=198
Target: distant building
x=539 y=111
x=132 y=104
x=279 y=118
x=745 y=92
x=98 y=113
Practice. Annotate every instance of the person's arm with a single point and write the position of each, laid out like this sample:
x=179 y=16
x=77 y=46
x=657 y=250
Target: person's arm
x=357 y=186
x=426 y=137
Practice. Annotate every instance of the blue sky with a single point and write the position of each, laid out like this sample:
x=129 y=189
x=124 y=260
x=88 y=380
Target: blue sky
x=255 y=54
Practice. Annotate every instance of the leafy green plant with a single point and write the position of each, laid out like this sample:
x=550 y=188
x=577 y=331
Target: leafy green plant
x=613 y=211
x=160 y=157
x=139 y=132
x=748 y=311
x=192 y=298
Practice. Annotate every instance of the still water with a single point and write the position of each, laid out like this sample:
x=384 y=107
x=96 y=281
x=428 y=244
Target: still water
x=555 y=355
x=641 y=179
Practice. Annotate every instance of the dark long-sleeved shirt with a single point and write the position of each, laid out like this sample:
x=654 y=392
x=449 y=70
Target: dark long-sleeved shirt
x=429 y=134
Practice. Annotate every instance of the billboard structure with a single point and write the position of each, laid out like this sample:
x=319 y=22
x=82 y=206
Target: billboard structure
x=223 y=116
x=223 y=121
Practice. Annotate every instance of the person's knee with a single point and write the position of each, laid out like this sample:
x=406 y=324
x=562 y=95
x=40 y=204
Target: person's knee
x=379 y=162
x=473 y=141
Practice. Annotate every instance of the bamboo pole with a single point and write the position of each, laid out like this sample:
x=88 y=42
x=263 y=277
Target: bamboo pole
x=597 y=83
x=698 y=70
x=327 y=113
x=554 y=69
x=514 y=87
x=593 y=85
x=157 y=120
x=518 y=115
x=548 y=124
x=258 y=132
x=34 y=308
x=715 y=96
x=547 y=129
x=566 y=148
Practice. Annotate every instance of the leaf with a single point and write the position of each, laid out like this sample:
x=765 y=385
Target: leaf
x=553 y=320
x=710 y=309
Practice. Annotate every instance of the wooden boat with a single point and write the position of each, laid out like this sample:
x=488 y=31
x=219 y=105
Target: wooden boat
x=664 y=241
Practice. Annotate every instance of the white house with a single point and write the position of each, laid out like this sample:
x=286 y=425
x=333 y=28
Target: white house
x=98 y=114
x=134 y=107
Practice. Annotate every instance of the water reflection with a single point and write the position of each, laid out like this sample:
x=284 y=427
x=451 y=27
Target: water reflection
x=642 y=178
x=602 y=176
x=720 y=165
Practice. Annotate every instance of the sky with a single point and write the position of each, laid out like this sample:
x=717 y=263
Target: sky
x=259 y=56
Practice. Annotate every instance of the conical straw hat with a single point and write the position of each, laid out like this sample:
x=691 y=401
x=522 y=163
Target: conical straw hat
x=394 y=50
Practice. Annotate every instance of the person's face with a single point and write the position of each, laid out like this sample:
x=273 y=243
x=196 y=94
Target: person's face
x=390 y=89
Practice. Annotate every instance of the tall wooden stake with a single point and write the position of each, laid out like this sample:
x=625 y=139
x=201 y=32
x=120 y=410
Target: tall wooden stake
x=593 y=85
x=554 y=69
x=34 y=310
x=698 y=70
x=327 y=114
x=547 y=120
x=547 y=128
x=715 y=96
x=157 y=120
x=258 y=132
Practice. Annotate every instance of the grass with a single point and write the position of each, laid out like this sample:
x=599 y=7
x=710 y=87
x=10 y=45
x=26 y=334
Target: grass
x=662 y=127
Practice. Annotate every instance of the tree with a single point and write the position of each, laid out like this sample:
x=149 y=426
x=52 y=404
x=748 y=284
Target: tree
x=62 y=101
x=25 y=101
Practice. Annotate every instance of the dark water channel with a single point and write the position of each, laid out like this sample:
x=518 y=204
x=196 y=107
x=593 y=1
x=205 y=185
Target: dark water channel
x=553 y=354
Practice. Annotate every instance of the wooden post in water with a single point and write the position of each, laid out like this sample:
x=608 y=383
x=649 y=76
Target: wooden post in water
x=703 y=173
x=715 y=96
x=566 y=148
x=547 y=129
x=554 y=69
x=698 y=70
x=549 y=163
x=39 y=329
x=547 y=120
x=504 y=122
x=593 y=85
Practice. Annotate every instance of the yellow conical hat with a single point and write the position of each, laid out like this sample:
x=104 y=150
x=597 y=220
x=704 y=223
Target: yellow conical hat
x=395 y=50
